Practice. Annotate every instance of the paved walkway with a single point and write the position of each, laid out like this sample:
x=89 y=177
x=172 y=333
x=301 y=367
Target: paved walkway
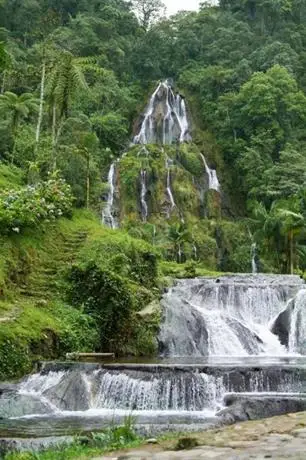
x=281 y=437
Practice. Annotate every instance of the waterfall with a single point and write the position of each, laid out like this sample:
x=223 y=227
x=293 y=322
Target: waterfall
x=146 y=134
x=169 y=191
x=253 y=256
x=144 y=206
x=213 y=181
x=181 y=112
x=228 y=316
x=297 y=326
x=195 y=251
x=102 y=391
x=107 y=214
x=165 y=119
x=226 y=322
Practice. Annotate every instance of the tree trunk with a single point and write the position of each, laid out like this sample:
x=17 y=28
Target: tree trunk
x=41 y=106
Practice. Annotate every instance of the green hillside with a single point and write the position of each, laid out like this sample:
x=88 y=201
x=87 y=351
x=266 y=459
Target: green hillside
x=75 y=79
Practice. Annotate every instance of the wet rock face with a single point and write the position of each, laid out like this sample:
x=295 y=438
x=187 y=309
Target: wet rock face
x=282 y=324
x=70 y=393
x=246 y=407
x=231 y=316
x=189 y=337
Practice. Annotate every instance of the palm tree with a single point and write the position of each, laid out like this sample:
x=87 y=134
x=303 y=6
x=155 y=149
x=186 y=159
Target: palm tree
x=81 y=141
x=65 y=79
x=282 y=220
x=291 y=224
x=17 y=107
x=179 y=235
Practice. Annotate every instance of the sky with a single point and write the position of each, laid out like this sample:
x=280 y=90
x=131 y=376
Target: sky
x=175 y=5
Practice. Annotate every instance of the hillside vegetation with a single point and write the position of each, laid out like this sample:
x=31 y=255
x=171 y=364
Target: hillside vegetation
x=74 y=79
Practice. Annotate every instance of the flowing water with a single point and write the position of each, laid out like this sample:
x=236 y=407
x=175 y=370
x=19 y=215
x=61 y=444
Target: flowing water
x=226 y=316
x=108 y=212
x=213 y=181
x=253 y=258
x=168 y=187
x=143 y=194
x=169 y=190
x=165 y=119
x=215 y=338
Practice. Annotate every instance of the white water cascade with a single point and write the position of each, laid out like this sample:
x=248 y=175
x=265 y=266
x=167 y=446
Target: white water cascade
x=165 y=119
x=228 y=316
x=215 y=337
x=213 y=181
x=195 y=251
x=168 y=187
x=107 y=214
x=144 y=206
x=253 y=258
x=297 y=329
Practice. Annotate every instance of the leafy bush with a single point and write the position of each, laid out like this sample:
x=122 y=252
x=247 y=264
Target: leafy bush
x=128 y=257
x=32 y=204
x=14 y=358
x=107 y=298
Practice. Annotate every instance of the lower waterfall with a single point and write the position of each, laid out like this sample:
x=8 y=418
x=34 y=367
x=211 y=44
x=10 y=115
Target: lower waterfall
x=151 y=389
x=232 y=340
x=230 y=316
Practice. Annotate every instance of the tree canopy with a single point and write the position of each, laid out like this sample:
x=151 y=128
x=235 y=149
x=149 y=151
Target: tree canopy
x=75 y=74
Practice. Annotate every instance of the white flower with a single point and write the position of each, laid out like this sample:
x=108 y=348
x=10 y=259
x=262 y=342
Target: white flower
x=16 y=229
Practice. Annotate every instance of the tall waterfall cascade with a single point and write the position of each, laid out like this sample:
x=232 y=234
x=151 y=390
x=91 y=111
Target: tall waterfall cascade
x=165 y=122
x=144 y=206
x=108 y=212
x=165 y=119
x=168 y=186
x=213 y=181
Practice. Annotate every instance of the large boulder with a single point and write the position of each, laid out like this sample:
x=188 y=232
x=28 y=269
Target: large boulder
x=282 y=324
x=71 y=393
x=247 y=406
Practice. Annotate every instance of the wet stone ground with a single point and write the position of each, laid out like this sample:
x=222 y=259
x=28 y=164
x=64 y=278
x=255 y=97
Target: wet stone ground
x=280 y=437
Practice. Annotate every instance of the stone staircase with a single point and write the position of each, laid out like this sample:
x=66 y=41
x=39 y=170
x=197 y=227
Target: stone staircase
x=47 y=279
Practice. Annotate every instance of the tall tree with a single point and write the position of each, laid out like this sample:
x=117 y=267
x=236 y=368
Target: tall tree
x=148 y=11
x=66 y=78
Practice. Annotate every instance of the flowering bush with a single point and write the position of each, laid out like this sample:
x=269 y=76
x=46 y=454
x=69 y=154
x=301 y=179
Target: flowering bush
x=44 y=201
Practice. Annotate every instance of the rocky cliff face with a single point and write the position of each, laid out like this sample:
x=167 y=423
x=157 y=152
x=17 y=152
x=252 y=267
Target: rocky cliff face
x=166 y=188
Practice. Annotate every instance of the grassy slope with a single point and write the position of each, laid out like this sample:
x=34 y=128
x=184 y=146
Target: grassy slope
x=35 y=322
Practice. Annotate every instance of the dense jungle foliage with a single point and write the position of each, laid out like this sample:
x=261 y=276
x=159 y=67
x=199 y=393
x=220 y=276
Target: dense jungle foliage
x=74 y=77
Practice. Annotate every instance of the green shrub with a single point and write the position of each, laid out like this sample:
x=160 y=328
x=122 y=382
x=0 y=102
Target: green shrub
x=32 y=204
x=133 y=259
x=14 y=358
x=107 y=298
